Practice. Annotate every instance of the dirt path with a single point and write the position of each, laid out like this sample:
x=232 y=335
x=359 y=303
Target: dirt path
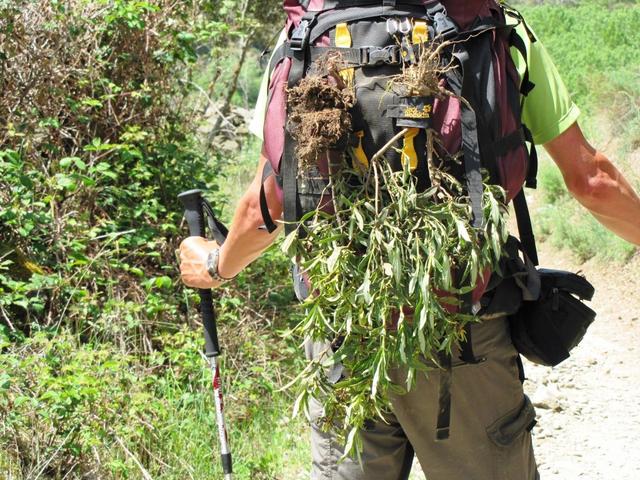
x=589 y=406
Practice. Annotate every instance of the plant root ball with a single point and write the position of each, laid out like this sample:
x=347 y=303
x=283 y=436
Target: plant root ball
x=319 y=116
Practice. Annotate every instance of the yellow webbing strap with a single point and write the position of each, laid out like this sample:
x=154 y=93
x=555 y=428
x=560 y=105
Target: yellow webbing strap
x=420 y=32
x=409 y=149
x=343 y=39
x=362 y=162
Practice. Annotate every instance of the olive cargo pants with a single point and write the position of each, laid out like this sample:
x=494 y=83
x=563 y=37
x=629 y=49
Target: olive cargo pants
x=490 y=422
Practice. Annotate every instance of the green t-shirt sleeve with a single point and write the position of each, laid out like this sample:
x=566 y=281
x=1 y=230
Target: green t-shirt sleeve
x=548 y=109
x=257 y=122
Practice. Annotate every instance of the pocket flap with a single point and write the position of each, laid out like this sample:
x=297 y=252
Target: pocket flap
x=505 y=430
x=570 y=282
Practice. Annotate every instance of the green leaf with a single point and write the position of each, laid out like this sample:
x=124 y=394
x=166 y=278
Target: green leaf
x=387 y=269
x=67 y=182
x=359 y=218
x=66 y=161
x=136 y=271
x=79 y=163
x=289 y=242
x=91 y=102
x=462 y=231
x=5 y=381
x=376 y=378
x=333 y=259
x=351 y=438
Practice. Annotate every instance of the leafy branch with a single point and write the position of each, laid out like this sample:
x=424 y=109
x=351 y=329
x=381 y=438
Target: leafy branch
x=387 y=284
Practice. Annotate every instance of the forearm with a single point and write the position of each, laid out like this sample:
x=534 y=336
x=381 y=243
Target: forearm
x=611 y=199
x=597 y=184
x=624 y=229
x=246 y=239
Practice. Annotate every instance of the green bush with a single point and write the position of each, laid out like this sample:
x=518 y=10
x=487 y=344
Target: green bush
x=77 y=410
x=66 y=405
x=100 y=371
x=591 y=42
x=94 y=149
x=551 y=183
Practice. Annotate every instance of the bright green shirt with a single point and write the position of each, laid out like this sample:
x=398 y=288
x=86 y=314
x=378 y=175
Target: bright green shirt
x=548 y=109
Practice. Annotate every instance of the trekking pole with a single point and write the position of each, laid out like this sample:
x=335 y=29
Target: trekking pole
x=195 y=206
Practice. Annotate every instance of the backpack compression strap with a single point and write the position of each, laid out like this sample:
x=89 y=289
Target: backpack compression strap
x=269 y=224
x=525 y=229
x=523 y=217
x=444 y=397
x=526 y=86
x=470 y=143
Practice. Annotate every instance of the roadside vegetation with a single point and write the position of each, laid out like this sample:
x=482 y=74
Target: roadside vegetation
x=105 y=117
x=107 y=111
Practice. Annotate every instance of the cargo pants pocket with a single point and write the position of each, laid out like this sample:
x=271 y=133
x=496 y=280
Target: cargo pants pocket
x=512 y=440
x=507 y=429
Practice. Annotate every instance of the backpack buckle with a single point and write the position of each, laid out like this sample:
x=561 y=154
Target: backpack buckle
x=373 y=56
x=300 y=36
x=443 y=25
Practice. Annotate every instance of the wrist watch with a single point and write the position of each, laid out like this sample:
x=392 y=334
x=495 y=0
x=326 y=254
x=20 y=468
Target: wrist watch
x=212 y=266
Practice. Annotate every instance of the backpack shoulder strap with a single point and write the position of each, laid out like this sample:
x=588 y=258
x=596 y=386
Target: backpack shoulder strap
x=525 y=229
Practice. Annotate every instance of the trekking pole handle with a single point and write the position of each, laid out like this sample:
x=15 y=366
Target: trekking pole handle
x=193 y=213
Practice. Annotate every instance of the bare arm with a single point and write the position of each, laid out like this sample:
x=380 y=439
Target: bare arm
x=597 y=184
x=246 y=241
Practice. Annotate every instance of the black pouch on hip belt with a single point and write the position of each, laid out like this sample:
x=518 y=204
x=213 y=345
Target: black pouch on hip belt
x=547 y=329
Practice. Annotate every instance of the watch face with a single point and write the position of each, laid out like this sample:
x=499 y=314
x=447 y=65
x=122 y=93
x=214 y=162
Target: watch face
x=212 y=265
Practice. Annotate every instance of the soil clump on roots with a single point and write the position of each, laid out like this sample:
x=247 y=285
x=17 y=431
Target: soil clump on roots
x=318 y=106
x=423 y=78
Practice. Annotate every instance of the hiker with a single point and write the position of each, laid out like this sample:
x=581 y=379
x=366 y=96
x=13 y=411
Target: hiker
x=490 y=417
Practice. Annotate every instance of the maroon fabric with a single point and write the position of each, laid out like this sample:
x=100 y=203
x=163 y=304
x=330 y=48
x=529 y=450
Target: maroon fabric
x=446 y=112
x=293 y=10
x=276 y=117
x=465 y=12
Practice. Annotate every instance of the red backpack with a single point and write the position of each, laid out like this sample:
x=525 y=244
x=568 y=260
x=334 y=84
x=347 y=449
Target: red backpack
x=375 y=39
x=490 y=134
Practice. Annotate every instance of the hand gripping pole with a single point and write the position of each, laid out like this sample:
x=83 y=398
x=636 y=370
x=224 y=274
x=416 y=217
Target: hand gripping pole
x=195 y=206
